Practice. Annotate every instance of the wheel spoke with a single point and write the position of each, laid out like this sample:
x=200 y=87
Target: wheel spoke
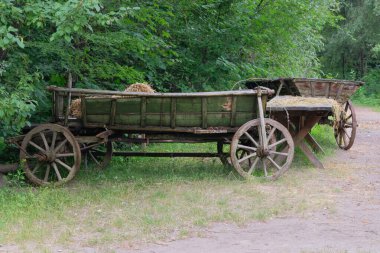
x=277 y=143
x=349 y=117
x=252 y=149
x=93 y=158
x=274 y=163
x=57 y=171
x=54 y=138
x=63 y=164
x=252 y=168
x=43 y=137
x=345 y=132
x=265 y=168
x=37 y=147
x=270 y=135
x=47 y=173
x=38 y=165
x=247 y=157
x=60 y=145
x=64 y=155
x=278 y=153
x=251 y=139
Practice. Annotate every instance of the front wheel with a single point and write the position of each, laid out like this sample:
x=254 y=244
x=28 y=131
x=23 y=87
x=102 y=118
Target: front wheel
x=249 y=155
x=50 y=155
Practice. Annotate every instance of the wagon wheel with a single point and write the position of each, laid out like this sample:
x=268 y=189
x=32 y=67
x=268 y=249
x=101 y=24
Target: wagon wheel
x=226 y=159
x=255 y=160
x=50 y=155
x=99 y=155
x=345 y=127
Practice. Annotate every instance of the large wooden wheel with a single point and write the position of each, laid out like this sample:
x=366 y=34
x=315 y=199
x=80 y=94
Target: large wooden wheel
x=50 y=155
x=99 y=156
x=345 y=127
x=251 y=157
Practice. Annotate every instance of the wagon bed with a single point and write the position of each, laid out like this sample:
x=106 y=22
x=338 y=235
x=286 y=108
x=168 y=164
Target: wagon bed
x=340 y=90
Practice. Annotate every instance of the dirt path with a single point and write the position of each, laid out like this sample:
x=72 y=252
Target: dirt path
x=353 y=227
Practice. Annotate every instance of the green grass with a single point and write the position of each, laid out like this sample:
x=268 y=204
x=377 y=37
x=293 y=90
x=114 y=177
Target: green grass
x=149 y=199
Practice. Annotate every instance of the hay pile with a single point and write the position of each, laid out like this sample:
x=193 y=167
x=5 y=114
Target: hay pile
x=76 y=109
x=140 y=87
x=284 y=101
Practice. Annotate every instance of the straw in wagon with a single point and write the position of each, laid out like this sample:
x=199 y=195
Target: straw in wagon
x=284 y=101
x=75 y=108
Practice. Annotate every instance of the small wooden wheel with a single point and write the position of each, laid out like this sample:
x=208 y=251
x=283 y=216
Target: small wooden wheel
x=345 y=127
x=99 y=155
x=50 y=155
x=249 y=155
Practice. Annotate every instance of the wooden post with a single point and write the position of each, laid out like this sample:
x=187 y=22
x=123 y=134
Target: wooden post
x=204 y=112
x=69 y=85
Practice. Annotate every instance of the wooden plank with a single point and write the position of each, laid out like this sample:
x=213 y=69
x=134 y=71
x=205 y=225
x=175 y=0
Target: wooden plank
x=84 y=111
x=204 y=112
x=233 y=111
x=339 y=91
x=313 y=143
x=310 y=155
x=162 y=154
x=113 y=112
x=312 y=90
x=309 y=124
x=79 y=92
x=143 y=112
x=173 y=112
x=327 y=90
x=5 y=168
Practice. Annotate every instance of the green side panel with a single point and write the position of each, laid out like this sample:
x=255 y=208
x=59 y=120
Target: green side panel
x=219 y=104
x=188 y=120
x=100 y=119
x=218 y=119
x=98 y=106
x=158 y=120
x=189 y=105
x=128 y=105
x=158 y=105
x=246 y=104
x=244 y=117
x=131 y=119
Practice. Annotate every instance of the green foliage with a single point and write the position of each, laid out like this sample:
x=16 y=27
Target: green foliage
x=352 y=49
x=182 y=46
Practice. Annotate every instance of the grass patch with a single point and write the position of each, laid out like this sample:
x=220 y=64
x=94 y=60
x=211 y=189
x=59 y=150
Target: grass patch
x=152 y=199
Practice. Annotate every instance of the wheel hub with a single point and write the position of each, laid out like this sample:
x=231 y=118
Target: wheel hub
x=261 y=152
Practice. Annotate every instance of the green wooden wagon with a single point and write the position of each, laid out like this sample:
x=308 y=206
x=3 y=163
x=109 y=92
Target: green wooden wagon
x=51 y=153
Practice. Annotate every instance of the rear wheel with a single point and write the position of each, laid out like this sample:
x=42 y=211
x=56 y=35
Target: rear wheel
x=345 y=128
x=50 y=155
x=99 y=156
x=250 y=157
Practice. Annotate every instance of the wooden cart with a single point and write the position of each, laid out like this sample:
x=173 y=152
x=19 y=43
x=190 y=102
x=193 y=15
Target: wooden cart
x=339 y=90
x=51 y=153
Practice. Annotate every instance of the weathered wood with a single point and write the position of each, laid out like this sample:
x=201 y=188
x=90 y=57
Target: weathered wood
x=310 y=155
x=173 y=110
x=204 y=112
x=79 y=92
x=84 y=111
x=233 y=111
x=168 y=154
x=113 y=112
x=143 y=112
x=313 y=143
x=6 y=168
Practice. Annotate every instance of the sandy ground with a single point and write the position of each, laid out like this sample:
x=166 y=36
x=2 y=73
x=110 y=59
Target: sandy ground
x=353 y=227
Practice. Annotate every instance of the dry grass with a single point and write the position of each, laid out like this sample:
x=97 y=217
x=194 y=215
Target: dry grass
x=283 y=101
